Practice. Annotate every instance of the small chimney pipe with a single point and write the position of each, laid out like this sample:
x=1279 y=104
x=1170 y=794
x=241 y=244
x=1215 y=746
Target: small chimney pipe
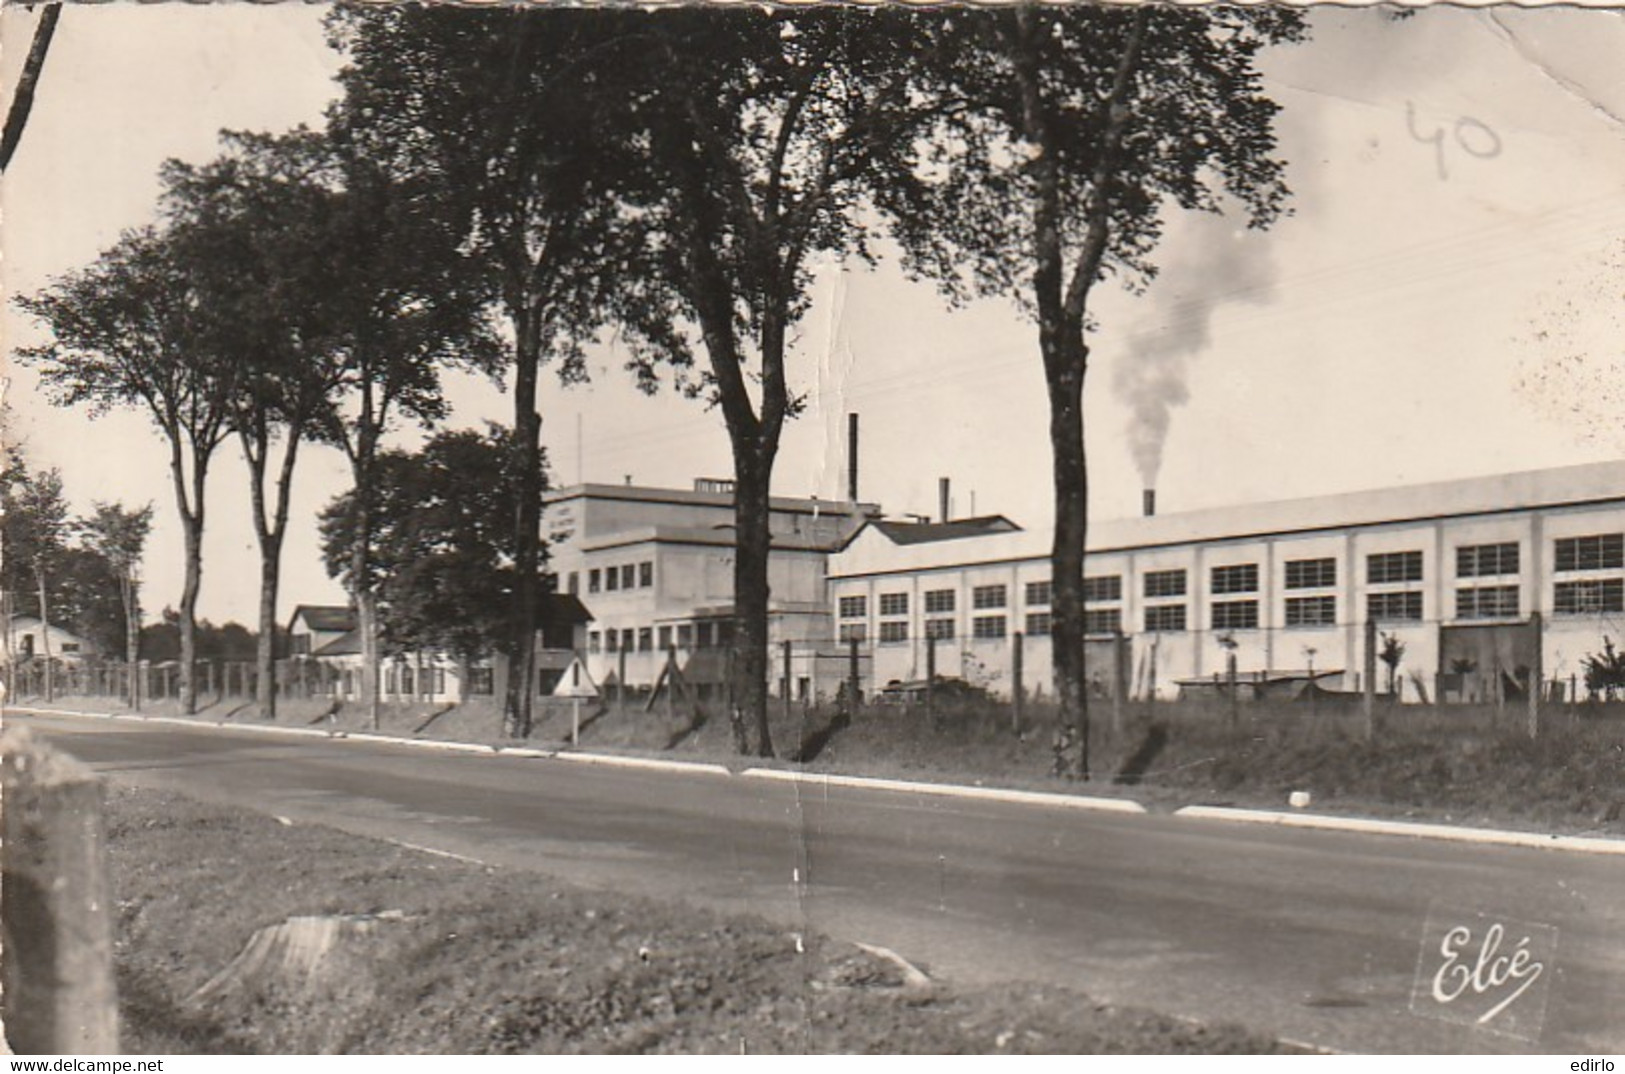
x=942 y=499
x=852 y=457
x=1149 y=502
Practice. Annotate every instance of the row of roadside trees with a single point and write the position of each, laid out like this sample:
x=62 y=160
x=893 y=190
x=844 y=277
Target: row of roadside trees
x=497 y=189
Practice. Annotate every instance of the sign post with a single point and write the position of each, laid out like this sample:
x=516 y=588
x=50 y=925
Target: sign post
x=575 y=684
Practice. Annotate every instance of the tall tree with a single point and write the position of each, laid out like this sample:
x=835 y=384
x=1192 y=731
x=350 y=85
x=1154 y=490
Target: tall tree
x=445 y=558
x=764 y=132
x=22 y=99
x=1060 y=137
x=36 y=527
x=512 y=118
x=127 y=334
x=119 y=535
x=257 y=221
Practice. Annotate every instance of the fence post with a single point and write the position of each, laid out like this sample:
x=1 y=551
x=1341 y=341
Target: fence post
x=1120 y=669
x=1533 y=687
x=1016 y=690
x=785 y=649
x=57 y=911
x=853 y=686
x=1368 y=696
x=1230 y=684
x=620 y=682
x=931 y=680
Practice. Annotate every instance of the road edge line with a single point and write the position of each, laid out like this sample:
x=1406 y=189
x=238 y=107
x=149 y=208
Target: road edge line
x=952 y=790
x=613 y=760
x=1409 y=829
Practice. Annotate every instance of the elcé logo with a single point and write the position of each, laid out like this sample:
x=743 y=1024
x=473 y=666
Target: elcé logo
x=1487 y=971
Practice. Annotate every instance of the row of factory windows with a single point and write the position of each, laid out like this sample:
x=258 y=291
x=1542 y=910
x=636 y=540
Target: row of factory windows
x=1597 y=552
x=1586 y=597
x=705 y=634
x=610 y=579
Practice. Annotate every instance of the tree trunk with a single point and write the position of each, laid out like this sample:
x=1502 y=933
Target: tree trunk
x=527 y=432
x=753 y=469
x=45 y=636
x=1071 y=480
x=265 y=649
x=192 y=529
x=132 y=634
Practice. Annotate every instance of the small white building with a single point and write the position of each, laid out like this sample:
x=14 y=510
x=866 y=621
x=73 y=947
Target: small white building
x=1479 y=580
x=27 y=638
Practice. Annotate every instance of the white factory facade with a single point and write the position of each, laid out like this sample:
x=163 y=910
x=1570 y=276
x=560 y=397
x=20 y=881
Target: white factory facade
x=1479 y=581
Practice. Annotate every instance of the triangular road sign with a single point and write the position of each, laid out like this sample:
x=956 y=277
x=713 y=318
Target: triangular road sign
x=575 y=682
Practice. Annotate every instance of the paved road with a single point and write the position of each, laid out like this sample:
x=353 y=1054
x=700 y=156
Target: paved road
x=1315 y=936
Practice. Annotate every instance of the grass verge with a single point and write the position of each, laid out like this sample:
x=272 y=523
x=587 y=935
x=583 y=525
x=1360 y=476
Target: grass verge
x=1469 y=765
x=454 y=957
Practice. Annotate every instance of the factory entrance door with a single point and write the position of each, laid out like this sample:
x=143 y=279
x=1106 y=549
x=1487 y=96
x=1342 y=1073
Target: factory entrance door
x=1487 y=662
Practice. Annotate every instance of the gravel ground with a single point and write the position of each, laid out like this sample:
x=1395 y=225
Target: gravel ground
x=391 y=950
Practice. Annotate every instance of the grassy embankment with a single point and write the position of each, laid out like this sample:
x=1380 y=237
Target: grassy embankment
x=1453 y=764
x=437 y=955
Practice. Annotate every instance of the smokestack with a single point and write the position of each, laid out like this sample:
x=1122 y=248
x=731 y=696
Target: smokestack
x=1149 y=502
x=942 y=499
x=852 y=457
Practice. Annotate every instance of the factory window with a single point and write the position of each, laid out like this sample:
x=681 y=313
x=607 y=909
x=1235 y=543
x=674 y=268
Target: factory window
x=685 y=635
x=594 y=641
x=704 y=636
x=1103 y=621
x=854 y=607
x=1591 y=597
x=939 y=628
x=628 y=639
x=1394 y=606
x=1242 y=578
x=1165 y=584
x=1235 y=615
x=629 y=575
x=646 y=574
x=1599 y=552
x=1165 y=617
x=1102 y=588
x=988 y=626
x=1479 y=560
x=1038 y=624
x=1487 y=602
x=592 y=580
x=1311 y=573
x=988 y=596
x=1382 y=568
x=481 y=682
x=612 y=578
x=646 y=639
x=854 y=631
x=665 y=638
x=938 y=601
x=574 y=587
x=1311 y=611
x=894 y=604
x=612 y=640
x=893 y=633
x=1038 y=594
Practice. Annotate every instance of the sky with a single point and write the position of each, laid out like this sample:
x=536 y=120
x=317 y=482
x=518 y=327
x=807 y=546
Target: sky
x=1444 y=300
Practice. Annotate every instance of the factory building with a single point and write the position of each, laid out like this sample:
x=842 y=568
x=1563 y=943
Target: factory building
x=1477 y=581
x=654 y=567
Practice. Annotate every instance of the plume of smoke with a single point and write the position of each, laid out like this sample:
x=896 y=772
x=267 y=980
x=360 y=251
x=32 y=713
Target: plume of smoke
x=1216 y=262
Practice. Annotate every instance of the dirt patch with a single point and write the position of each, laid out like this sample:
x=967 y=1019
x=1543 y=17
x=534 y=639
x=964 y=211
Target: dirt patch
x=436 y=956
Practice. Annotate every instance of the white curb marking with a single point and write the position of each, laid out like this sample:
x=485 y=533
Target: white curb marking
x=1406 y=828
x=949 y=790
